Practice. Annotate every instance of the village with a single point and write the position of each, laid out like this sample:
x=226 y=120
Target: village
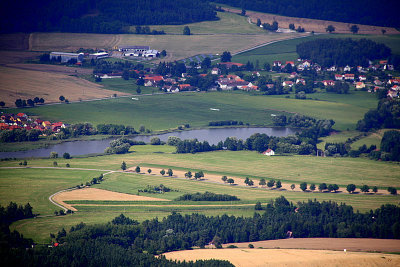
x=23 y=121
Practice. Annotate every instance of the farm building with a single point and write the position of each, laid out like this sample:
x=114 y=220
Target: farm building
x=65 y=57
x=133 y=48
x=99 y=55
x=269 y=152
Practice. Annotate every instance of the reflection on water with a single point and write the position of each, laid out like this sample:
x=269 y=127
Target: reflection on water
x=213 y=136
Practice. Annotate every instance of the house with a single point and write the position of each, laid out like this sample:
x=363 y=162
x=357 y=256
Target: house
x=378 y=82
x=347 y=68
x=328 y=83
x=22 y=115
x=269 y=152
x=383 y=62
x=277 y=63
x=152 y=80
x=215 y=71
x=302 y=81
x=394 y=81
x=349 y=76
x=150 y=53
x=306 y=63
x=290 y=62
x=287 y=83
x=333 y=68
x=270 y=85
x=184 y=87
x=229 y=65
x=66 y=57
x=338 y=77
x=392 y=94
x=362 y=78
x=396 y=88
x=110 y=75
x=293 y=75
x=360 y=85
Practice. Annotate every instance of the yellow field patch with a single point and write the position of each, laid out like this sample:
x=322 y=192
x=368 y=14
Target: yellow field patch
x=287 y=257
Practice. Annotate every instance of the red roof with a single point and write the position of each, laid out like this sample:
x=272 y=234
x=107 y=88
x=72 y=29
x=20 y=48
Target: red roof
x=184 y=85
x=21 y=114
x=154 y=78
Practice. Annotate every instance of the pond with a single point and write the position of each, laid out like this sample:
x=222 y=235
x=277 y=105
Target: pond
x=213 y=136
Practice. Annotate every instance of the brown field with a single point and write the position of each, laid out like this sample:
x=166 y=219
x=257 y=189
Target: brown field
x=14 y=41
x=20 y=83
x=287 y=257
x=177 y=46
x=212 y=178
x=98 y=194
x=313 y=24
x=350 y=244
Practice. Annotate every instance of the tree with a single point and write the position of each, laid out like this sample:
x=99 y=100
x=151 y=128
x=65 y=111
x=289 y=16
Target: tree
x=61 y=98
x=138 y=90
x=243 y=13
x=162 y=172
x=25 y=163
x=392 y=190
x=188 y=174
x=155 y=141
x=31 y=102
x=375 y=189
x=55 y=164
x=258 y=22
x=206 y=63
x=125 y=75
x=170 y=172
x=163 y=53
x=66 y=155
x=303 y=186
x=330 y=28
x=53 y=155
x=271 y=183
x=41 y=100
x=149 y=171
x=186 y=30
x=246 y=181
x=258 y=206
x=262 y=182
x=322 y=187
x=293 y=186
x=312 y=187
x=230 y=181
x=335 y=187
x=2 y=104
x=226 y=56
x=278 y=184
x=364 y=188
x=250 y=183
x=383 y=31
x=354 y=29
x=291 y=26
x=137 y=169
x=123 y=166
x=351 y=188
x=224 y=178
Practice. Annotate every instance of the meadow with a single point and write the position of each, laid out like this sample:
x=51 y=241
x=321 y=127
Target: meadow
x=162 y=112
x=286 y=50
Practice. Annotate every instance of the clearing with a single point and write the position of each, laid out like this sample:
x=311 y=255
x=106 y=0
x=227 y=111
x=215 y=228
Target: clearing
x=287 y=257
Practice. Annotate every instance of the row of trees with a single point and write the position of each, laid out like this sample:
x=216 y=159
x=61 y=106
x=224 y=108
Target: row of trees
x=20 y=103
x=207 y=196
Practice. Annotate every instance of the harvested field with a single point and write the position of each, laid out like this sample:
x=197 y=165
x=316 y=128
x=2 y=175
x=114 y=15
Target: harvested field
x=177 y=46
x=313 y=24
x=350 y=244
x=52 y=68
x=25 y=84
x=98 y=194
x=11 y=57
x=14 y=41
x=286 y=257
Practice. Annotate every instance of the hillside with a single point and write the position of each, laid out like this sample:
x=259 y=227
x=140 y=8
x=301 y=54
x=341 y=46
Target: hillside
x=370 y=12
x=103 y=16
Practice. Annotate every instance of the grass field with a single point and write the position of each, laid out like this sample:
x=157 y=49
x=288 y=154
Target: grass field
x=228 y=23
x=36 y=185
x=160 y=112
x=286 y=50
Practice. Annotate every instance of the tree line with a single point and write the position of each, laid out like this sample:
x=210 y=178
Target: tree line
x=207 y=196
x=104 y=16
x=370 y=12
x=342 y=52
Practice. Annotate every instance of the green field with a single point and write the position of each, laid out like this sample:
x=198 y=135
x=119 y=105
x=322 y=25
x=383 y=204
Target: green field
x=36 y=185
x=228 y=23
x=286 y=50
x=161 y=112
